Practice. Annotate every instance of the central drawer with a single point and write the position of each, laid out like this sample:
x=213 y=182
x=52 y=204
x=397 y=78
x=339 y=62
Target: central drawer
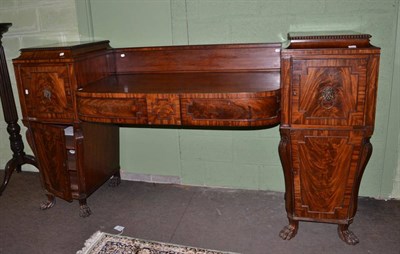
x=213 y=109
x=183 y=99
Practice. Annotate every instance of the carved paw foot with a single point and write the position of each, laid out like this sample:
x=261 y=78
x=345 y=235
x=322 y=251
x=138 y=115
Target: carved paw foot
x=114 y=181
x=84 y=211
x=346 y=235
x=47 y=204
x=289 y=231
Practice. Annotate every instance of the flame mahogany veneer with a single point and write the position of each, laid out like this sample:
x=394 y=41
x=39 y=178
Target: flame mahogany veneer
x=320 y=88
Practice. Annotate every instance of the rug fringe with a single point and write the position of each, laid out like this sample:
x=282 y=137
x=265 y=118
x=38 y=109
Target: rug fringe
x=89 y=242
x=102 y=239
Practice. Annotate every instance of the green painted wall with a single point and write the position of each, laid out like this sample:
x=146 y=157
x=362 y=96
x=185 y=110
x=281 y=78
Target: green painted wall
x=394 y=119
x=35 y=22
x=244 y=159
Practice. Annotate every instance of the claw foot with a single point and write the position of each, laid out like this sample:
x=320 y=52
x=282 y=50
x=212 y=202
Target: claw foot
x=84 y=211
x=114 y=181
x=289 y=231
x=346 y=235
x=48 y=203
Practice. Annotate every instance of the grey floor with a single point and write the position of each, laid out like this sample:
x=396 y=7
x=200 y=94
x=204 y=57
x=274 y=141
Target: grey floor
x=232 y=220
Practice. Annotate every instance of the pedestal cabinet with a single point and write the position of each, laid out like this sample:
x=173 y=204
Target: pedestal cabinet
x=329 y=85
x=75 y=158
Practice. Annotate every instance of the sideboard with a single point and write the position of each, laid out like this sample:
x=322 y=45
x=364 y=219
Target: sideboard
x=321 y=89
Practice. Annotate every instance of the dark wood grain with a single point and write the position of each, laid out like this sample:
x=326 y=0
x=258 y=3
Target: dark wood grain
x=49 y=143
x=328 y=114
x=201 y=58
x=329 y=91
x=47 y=92
x=98 y=158
x=185 y=99
x=120 y=86
x=321 y=89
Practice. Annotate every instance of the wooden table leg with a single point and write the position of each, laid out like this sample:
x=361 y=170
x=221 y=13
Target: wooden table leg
x=11 y=117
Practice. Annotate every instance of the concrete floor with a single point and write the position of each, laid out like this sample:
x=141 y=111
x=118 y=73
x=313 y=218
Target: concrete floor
x=231 y=220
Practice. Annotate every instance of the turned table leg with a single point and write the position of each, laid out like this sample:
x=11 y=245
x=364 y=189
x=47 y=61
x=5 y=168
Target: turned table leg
x=11 y=117
x=15 y=165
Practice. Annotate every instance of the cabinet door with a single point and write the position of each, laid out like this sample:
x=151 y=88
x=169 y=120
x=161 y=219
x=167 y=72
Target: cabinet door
x=326 y=167
x=329 y=91
x=47 y=92
x=50 y=150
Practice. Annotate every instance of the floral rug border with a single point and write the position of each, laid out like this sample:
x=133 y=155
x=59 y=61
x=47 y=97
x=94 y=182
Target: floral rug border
x=104 y=243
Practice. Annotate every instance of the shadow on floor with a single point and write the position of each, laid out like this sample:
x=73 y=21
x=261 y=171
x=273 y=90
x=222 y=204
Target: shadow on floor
x=242 y=221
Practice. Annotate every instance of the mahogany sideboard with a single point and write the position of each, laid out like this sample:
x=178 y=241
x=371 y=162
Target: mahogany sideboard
x=320 y=88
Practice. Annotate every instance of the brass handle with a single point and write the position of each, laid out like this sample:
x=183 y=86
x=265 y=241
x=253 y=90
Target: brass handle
x=328 y=97
x=47 y=94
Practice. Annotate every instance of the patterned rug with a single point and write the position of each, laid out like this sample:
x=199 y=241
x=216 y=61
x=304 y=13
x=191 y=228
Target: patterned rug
x=105 y=243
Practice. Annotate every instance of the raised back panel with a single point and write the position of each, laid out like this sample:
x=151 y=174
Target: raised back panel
x=201 y=58
x=91 y=68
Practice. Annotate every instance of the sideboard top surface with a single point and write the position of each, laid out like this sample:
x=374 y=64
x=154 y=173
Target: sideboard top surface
x=185 y=83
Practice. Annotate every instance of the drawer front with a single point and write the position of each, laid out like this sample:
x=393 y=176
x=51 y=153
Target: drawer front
x=163 y=109
x=231 y=111
x=47 y=92
x=151 y=109
x=329 y=91
x=127 y=110
x=325 y=168
x=227 y=109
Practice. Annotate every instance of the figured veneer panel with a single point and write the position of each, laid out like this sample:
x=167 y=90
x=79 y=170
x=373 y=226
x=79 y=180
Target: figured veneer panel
x=47 y=91
x=233 y=109
x=325 y=169
x=163 y=109
x=50 y=151
x=189 y=99
x=321 y=89
x=129 y=110
x=328 y=86
x=329 y=91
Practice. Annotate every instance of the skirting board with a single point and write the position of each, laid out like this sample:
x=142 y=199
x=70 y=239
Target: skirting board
x=129 y=176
